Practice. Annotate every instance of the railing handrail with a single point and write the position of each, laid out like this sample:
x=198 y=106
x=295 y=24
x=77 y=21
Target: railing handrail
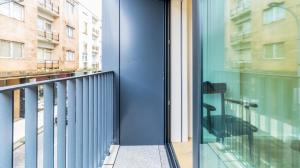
x=31 y=84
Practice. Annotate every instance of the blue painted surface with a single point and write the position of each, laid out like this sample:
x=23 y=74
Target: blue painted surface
x=142 y=72
x=6 y=129
x=79 y=123
x=31 y=127
x=48 y=126
x=61 y=124
x=134 y=47
x=71 y=91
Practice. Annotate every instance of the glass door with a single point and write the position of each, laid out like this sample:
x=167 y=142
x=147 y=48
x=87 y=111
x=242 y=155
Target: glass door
x=250 y=83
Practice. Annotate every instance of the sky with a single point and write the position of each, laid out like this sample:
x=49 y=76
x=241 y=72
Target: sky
x=94 y=5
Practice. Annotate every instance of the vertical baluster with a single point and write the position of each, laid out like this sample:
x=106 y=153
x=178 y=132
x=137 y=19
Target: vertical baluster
x=95 y=121
x=31 y=127
x=102 y=119
x=61 y=125
x=106 y=114
x=91 y=121
x=99 y=120
x=71 y=123
x=48 y=126
x=111 y=109
x=85 y=122
x=6 y=129
x=79 y=124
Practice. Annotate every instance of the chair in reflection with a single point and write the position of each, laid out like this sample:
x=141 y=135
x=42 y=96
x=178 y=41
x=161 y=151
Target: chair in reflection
x=222 y=125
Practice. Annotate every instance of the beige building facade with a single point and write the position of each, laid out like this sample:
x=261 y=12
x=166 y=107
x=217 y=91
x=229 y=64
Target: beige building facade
x=38 y=37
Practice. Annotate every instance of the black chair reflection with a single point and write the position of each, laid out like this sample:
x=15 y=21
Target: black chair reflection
x=223 y=125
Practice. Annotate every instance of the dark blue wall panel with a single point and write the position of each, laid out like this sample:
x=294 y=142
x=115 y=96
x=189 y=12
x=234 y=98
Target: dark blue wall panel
x=134 y=47
x=142 y=28
x=111 y=50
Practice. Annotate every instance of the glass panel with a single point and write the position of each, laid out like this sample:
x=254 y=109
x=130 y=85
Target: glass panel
x=17 y=50
x=251 y=85
x=4 y=49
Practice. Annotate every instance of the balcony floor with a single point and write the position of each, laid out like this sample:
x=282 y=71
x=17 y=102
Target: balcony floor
x=153 y=156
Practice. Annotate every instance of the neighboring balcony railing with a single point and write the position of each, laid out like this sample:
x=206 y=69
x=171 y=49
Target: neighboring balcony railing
x=240 y=10
x=49 y=6
x=48 y=64
x=49 y=36
x=84 y=112
x=239 y=37
x=95 y=48
x=84 y=57
x=95 y=32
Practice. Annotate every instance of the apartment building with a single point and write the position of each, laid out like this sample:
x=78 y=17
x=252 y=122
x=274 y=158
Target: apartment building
x=38 y=41
x=89 y=40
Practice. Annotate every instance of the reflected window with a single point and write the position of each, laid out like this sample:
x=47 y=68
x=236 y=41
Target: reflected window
x=273 y=14
x=274 y=51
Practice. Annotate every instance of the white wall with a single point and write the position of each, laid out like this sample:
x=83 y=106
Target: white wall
x=86 y=15
x=180 y=72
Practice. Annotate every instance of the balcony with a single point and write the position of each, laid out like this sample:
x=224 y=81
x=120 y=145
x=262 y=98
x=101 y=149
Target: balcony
x=95 y=48
x=84 y=57
x=49 y=37
x=95 y=32
x=49 y=8
x=83 y=106
x=240 y=11
x=48 y=65
x=240 y=37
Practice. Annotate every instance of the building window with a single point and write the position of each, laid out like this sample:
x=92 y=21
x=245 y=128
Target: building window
x=70 y=8
x=70 y=56
x=44 y=54
x=12 y=9
x=273 y=14
x=244 y=27
x=70 y=32
x=274 y=51
x=9 y=49
x=85 y=28
x=44 y=24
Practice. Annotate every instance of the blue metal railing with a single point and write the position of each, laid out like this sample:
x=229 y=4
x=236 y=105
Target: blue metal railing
x=85 y=106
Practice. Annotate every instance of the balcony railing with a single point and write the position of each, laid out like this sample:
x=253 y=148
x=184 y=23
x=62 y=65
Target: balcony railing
x=240 y=9
x=95 y=32
x=49 y=6
x=95 y=48
x=84 y=112
x=51 y=36
x=84 y=57
x=48 y=64
x=239 y=37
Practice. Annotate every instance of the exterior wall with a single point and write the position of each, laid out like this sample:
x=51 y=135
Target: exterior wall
x=86 y=38
x=285 y=30
x=24 y=32
x=27 y=33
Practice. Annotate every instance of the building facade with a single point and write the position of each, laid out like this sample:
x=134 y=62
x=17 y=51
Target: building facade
x=89 y=40
x=38 y=41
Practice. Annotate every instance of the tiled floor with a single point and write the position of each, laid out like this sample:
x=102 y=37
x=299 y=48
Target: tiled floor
x=137 y=157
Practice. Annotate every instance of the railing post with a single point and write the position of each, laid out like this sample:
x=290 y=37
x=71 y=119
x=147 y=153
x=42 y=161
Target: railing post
x=61 y=125
x=79 y=125
x=95 y=120
x=85 y=122
x=99 y=120
x=71 y=123
x=6 y=129
x=49 y=126
x=91 y=121
x=31 y=127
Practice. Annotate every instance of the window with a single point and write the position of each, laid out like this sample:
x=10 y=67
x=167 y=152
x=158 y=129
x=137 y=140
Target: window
x=274 y=51
x=44 y=54
x=12 y=9
x=44 y=24
x=9 y=49
x=70 y=56
x=70 y=8
x=4 y=49
x=70 y=32
x=244 y=55
x=85 y=28
x=244 y=27
x=273 y=14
